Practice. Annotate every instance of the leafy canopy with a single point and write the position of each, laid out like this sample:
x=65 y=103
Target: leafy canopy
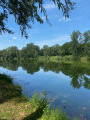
x=26 y=12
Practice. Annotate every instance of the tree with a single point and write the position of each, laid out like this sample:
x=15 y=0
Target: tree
x=27 y=11
x=55 y=50
x=75 y=37
x=46 y=50
x=30 y=51
x=86 y=36
x=12 y=52
x=87 y=49
x=65 y=49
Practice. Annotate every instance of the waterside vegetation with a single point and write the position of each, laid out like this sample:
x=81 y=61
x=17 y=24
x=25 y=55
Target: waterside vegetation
x=14 y=105
x=78 y=47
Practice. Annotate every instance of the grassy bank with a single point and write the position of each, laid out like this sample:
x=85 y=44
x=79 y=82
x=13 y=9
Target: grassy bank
x=74 y=60
x=14 y=106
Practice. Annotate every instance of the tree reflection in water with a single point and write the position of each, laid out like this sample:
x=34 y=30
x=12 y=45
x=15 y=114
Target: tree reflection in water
x=79 y=73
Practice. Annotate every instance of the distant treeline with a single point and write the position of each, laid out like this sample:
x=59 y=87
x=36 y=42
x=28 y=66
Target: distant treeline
x=79 y=46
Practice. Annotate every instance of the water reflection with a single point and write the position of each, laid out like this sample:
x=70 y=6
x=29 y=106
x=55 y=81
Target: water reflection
x=79 y=74
x=10 y=65
x=67 y=84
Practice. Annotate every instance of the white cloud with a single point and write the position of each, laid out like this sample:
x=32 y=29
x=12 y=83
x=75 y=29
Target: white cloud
x=50 y=17
x=61 y=39
x=14 y=37
x=64 y=19
x=50 y=6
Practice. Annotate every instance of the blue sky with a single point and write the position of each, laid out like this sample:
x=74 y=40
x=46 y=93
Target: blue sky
x=44 y=34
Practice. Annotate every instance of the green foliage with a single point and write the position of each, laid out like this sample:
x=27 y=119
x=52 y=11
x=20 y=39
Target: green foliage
x=46 y=50
x=54 y=114
x=10 y=53
x=65 y=49
x=7 y=90
x=75 y=47
x=26 y=12
x=30 y=51
x=75 y=42
x=6 y=78
x=87 y=49
x=86 y=36
x=39 y=100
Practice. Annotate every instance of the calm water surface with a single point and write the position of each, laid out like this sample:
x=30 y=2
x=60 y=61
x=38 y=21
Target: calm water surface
x=67 y=85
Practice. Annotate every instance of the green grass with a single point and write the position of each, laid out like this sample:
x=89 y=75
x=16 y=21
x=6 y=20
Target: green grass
x=75 y=61
x=61 y=59
x=15 y=106
x=54 y=115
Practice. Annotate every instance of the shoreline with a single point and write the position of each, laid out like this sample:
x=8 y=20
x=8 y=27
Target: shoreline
x=16 y=106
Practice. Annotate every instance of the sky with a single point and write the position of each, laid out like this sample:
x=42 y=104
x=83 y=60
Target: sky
x=44 y=34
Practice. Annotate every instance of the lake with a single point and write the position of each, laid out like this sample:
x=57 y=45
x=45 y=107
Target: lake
x=67 y=85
